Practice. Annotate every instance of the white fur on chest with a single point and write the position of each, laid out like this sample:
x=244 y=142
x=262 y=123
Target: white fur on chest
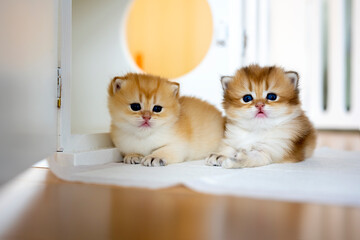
x=240 y=138
x=141 y=143
x=270 y=138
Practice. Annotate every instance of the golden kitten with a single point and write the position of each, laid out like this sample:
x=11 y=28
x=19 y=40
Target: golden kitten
x=153 y=126
x=265 y=123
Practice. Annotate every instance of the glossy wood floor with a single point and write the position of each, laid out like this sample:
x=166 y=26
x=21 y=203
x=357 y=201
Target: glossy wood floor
x=37 y=205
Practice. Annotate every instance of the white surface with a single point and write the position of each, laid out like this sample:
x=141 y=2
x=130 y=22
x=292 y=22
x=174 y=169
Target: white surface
x=331 y=176
x=28 y=44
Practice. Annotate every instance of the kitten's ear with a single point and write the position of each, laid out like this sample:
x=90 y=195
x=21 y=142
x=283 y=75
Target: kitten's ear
x=225 y=81
x=116 y=84
x=294 y=78
x=175 y=87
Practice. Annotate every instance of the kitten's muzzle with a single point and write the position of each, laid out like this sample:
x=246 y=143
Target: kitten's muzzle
x=260 y=108
x=259 y=105
x=146 y=115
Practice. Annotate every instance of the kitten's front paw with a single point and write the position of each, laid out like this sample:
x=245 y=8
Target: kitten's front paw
x=133 y=158
x=231 y=163
x=151 y=161
x=215 y=160
x=237 y=161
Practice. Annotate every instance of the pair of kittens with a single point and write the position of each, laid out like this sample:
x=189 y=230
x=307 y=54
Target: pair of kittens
x=264 y=123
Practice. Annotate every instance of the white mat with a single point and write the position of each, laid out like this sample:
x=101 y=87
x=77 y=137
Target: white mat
x=330 y=176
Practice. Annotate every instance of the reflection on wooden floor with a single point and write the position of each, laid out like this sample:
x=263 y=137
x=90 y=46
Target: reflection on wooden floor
x=37 y=205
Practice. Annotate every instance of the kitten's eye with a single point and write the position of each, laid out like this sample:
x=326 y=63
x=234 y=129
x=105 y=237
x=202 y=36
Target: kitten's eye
x=247 y=98
x=157 y=108
x=135 y=107
x=271 y=96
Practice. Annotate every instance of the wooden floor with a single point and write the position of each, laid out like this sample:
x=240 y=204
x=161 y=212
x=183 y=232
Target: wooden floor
x=37 y=205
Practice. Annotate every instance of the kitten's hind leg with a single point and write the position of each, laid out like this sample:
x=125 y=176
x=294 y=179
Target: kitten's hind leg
x=252 y=158
x=133 y=158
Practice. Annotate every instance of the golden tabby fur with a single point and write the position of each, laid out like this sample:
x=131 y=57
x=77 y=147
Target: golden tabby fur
x=265 y=123
x=153 y=126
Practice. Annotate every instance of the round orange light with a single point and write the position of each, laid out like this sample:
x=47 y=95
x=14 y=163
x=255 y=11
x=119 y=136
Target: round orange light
x=169 y=37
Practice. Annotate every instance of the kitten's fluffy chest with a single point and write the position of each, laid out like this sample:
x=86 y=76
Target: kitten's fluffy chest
x=142 y=143
x=242 y=138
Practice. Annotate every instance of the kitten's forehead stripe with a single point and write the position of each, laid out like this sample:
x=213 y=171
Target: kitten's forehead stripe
x=267 y=80
x=265 y=85
x=155 y=94
x=250 y=84
x=137 y=82
x=259 y=92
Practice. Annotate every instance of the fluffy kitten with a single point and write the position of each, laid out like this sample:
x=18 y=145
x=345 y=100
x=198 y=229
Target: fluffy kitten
x=265 y=123
x=153 y=126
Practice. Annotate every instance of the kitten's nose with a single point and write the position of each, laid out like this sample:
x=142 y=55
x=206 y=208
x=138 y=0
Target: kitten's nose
x=259 y=105
x=146 y=116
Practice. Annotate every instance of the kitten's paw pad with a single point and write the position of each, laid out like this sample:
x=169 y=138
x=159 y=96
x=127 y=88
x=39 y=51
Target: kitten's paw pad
x=215 y=160
x=150 y=161
x=133 y=158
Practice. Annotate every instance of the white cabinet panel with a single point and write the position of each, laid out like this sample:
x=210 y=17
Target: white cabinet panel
x=28 y=65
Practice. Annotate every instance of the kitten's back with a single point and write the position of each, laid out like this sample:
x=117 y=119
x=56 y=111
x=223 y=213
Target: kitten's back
x=201 y=125
x=304 y=142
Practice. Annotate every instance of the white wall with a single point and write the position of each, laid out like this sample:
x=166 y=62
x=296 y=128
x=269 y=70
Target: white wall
x=287 y=47
x=98 y=55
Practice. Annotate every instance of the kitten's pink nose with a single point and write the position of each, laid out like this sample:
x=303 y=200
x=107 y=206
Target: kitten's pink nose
x=259 y=105
x=146 y=116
